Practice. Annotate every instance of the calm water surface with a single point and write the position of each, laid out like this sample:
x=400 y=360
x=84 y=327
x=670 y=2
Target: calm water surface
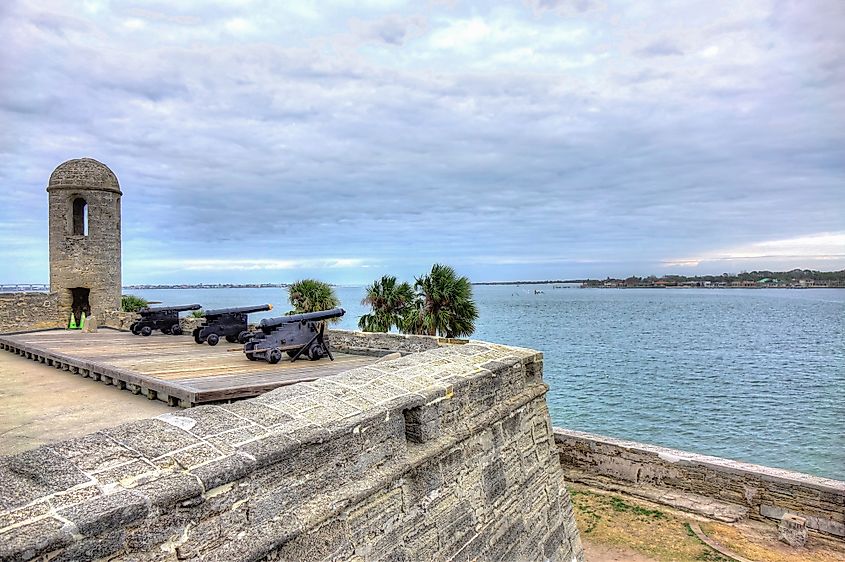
x=755 y=375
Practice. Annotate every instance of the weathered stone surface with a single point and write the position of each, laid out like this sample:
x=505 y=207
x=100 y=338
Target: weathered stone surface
x=30 y=541
x=380 y=344
x=171 y=489
x=792 y=529
x=106 y=513
x=211 y=420
x=33 y=474
x=221 y=471
x=17 y=516
x=399 y=461
x=95 y=452
x=92 y=548
x=29 y=311
x=152 y=438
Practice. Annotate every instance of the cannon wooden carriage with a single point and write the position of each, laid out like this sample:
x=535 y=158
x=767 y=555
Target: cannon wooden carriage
x=296 y=335
x=164 y=318
x=229 y=323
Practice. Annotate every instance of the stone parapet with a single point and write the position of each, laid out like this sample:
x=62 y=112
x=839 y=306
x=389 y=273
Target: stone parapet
x=380 y=343
x=445 y=454
x=762 y=492
x=21 y=312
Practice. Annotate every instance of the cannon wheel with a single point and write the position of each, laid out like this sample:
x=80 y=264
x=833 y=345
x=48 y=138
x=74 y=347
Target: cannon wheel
x=146 y=331
x=249 y=346
x=165 y=329
x=314 y=353
x=176 y=330
x=243 y=336
x=231 y=339
x=212 y=339
x=132 y=327
x=196 y=334
x=274 y=356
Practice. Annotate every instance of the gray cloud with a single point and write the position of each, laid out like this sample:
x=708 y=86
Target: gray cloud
x=342 y=135
x=392 y=29
x=660 y=48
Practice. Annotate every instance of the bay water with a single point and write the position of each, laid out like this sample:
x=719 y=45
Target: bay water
x=756 y=375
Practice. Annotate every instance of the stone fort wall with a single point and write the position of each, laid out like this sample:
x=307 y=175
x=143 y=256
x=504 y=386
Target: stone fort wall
x=444 y=454
x=672 y=476
x=28 y=311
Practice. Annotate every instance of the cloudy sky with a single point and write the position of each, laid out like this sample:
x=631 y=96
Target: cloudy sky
x=267 y=141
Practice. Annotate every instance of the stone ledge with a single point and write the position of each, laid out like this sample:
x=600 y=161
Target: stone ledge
x=766 y=493
x=668 y=455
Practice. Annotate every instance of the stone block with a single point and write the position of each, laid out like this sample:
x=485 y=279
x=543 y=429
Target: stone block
x=33 y=474
x=225 y=470
x=194 y=456
x=34 y=539
x=792 y=529
x=75 y=496
x=128 y=475
x=494 y=481
x=9 y=518
x=257 y=413
x=94 y=452
x=152 y=438
x=103 y=514
x=211 y=420
x=170 y=489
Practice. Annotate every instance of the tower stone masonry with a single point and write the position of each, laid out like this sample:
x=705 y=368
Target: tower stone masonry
x=84 y=238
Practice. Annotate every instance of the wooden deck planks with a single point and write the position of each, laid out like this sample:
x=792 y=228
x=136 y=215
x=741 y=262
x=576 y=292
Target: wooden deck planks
x=171 y=368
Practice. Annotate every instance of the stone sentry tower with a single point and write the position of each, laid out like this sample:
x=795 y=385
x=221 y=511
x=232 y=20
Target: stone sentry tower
x=84 y=238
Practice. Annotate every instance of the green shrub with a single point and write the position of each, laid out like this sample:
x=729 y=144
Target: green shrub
x=132 y=303
x=198 y=313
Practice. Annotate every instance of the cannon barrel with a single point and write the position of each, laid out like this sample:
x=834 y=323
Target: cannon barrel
x=177 y=308
x=305 y=317
x=238 y=310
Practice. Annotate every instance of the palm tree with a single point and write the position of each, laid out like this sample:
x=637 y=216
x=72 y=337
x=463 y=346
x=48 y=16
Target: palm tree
x=310 y=295
x=443 y=306
x=389 y=301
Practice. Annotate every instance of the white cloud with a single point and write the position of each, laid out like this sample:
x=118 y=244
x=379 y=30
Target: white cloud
x=822 y=246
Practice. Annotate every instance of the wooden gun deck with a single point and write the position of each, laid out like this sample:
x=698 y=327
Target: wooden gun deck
x=173 y=369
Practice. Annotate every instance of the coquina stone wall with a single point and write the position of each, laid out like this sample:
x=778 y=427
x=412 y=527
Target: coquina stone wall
x=28 y=311
x=761 y=492
x=117 y=319
x=378 y=343
x=442 y=455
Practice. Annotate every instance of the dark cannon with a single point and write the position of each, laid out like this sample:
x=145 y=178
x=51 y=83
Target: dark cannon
x=230 y=323
x=164 y=318
x=297 y=335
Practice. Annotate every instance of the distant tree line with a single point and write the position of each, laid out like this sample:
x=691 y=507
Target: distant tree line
x=795 y=276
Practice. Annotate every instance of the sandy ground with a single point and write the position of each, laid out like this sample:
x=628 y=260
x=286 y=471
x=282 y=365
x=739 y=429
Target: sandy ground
x=595 y=552
x=41 y=404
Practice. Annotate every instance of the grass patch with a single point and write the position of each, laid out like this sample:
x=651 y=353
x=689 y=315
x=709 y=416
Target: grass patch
x=627 y=523
x=619 y=504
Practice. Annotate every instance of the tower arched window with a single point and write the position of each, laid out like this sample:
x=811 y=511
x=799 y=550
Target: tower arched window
x=80 y=217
